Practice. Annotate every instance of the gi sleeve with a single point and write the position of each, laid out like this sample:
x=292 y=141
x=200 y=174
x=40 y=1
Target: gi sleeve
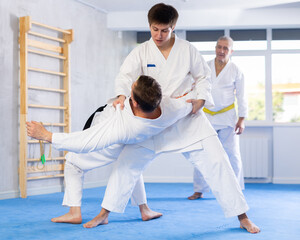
x=241 y=95
x=201 y=74
x=130 y=70
x=105 y=133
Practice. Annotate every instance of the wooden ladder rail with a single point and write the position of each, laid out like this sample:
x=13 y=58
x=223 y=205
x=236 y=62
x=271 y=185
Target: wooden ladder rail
x=62 y=53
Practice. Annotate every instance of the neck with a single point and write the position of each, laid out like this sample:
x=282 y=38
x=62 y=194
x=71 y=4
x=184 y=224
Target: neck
x=169 y=44
x=149 y=115
x=221 y=63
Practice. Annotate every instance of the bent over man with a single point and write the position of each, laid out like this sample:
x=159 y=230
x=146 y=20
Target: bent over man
x=145 y=113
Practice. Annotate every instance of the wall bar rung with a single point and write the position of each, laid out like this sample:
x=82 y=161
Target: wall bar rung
x=49 y=27
x=46 y=168
x=55 y=124
x=46 y=54
x=47 y=89
x=45 y=46
x=46 y=106
x=47 y=159
x=46 y=71
x=45 y=177
x=47 y=37
x=35 y=141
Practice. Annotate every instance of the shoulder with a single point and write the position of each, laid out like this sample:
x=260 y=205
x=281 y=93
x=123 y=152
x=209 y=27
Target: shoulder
x=184 y=44
x=211 y=62
x=235 y=67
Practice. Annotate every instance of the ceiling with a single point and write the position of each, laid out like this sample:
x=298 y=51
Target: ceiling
x=109 y=6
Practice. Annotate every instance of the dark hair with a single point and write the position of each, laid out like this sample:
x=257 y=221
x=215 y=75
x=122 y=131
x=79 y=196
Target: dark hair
x=163 y=14
x=147 y=93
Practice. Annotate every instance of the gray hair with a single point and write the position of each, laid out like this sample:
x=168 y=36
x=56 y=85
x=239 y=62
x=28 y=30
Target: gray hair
x=226 y=38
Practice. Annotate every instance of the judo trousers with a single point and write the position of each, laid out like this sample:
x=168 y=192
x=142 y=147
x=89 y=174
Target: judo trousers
x=76 y=166
x=211 y=161
x=230 y=143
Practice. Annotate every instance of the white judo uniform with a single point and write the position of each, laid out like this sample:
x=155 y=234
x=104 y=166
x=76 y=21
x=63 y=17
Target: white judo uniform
x=227 y=86
x=102 y=143
x=184 y=71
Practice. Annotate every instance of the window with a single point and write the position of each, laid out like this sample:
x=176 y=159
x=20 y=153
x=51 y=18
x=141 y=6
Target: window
x=249 y=39
x=285 y=39
x=204 y=40
x=248 y=57
x=285 y=75
x=253 y=68
x=286 y=87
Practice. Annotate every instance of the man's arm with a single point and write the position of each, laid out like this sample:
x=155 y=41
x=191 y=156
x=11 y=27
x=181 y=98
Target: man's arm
x=37 y=131
x=120 y=100
x=201 y=73
x=240 y=126
x=197 y=104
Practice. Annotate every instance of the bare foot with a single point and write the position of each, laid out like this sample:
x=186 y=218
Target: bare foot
x=195 y=196
x=68 y=218
x=100 y=219
x=147 y=213
x=245 y=223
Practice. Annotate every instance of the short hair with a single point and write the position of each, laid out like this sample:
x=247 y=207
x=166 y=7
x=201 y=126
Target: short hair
x=163 y=14
x=226 y=38
x=147 y=93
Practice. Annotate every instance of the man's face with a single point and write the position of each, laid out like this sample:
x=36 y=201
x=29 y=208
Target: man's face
x=223 y=50
x=161 y=33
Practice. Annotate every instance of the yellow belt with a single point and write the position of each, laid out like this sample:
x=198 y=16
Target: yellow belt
x=221 y=111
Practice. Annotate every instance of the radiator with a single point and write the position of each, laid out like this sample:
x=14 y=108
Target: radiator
x=255 y=153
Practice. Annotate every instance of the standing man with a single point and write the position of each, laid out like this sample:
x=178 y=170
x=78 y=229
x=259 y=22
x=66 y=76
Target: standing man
x=227 y=84
x=180 y=70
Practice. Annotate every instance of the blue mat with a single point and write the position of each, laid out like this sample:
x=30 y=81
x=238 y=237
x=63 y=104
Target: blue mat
x=274 y=207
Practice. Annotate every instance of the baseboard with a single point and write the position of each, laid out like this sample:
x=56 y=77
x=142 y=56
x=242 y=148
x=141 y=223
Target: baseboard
x=258 y=180
x=31 y=192
x=279 y=180
x=9 y=194
x=47 y=190
x=168 y=179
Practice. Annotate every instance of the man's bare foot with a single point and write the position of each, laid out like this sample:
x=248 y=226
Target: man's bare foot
x=245 y=223
x=100 y=219
x=68 y=218
x=147 y=213
x=195 y=196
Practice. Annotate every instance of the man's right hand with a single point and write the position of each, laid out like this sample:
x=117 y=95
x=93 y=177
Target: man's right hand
x=120 y=100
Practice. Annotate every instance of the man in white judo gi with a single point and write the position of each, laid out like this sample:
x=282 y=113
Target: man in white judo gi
x=180 y=69
x=146 y=113
x=227 y=84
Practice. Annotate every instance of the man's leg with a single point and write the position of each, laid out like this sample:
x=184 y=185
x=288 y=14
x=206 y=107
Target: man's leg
x=138 y=198
x=230 y=143
x=127 y=171
x=200 y=186
x=213 y=163
x=72 y=196
x=75 y=167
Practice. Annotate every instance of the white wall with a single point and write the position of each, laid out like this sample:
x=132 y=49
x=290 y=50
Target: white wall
x=286 y=154
x=96 y=56
x=211 y=19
